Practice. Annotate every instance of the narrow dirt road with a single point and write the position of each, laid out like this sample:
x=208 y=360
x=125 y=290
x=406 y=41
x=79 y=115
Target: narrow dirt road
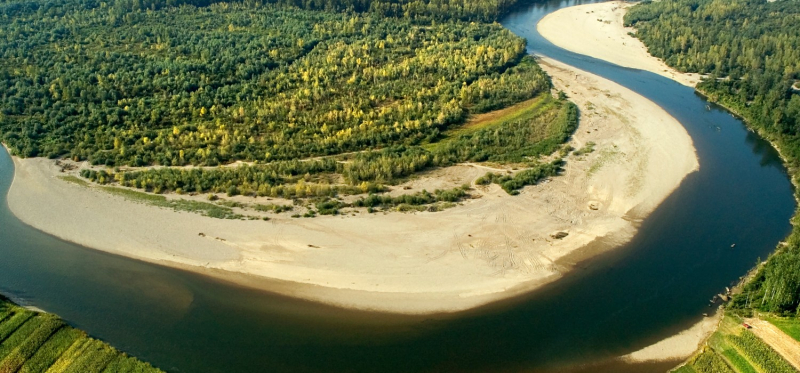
x=778 y=340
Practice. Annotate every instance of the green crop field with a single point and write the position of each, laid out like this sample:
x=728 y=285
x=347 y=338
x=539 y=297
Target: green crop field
x=33 y=342
x=736 y=350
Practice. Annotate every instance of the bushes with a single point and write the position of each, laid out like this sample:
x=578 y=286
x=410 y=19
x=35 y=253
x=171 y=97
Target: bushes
x=513 y=183
x=417 y=199
x=524 y=135
x=329 y=207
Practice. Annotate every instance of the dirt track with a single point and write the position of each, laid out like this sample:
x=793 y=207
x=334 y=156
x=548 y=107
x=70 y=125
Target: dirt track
x=778 y=340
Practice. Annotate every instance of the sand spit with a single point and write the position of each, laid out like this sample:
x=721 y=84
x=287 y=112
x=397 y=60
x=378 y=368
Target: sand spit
x=679 y=346
x=597 y=30
x=487 y=249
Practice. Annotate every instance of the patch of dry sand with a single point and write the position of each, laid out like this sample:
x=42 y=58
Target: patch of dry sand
x=487 y=249
x=679 y=346
x=597 y=30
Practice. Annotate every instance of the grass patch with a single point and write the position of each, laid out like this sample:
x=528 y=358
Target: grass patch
x=586 y=149
x=75 y=180
x=202 y=208
x=497 y=117
x=135 y=196
x=790 y=326
x=606 y=156
x=738 y=361
x=518 y=137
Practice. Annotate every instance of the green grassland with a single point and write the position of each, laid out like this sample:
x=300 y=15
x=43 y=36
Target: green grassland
x=789 y=325
x=33 y=342
x=733 y=349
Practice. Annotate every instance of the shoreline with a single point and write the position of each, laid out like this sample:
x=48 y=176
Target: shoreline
x=597 y=30
x=567 y=28
x=489 y=249
x=679 y=346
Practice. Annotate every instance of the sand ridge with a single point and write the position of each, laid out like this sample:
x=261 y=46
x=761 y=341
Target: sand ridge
x=597 y=30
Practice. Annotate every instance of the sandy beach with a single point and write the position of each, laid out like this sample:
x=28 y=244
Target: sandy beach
x=597 y=30
x=679 y=346
x=492 y=247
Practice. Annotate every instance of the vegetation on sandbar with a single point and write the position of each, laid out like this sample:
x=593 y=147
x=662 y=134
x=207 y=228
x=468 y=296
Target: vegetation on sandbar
x=314 y=100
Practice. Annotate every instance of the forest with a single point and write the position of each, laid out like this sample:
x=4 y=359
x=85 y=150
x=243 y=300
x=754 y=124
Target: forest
x=750 y=51
x=312 y=98
x=255 y=83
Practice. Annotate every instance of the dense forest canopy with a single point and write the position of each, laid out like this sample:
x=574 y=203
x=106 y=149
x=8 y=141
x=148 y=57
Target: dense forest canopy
x=230 y=82
x=750 y=50
x=318 y=97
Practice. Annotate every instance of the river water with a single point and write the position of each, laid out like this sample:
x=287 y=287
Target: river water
x=615 y=303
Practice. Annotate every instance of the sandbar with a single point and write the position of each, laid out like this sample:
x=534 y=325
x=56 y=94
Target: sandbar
x=489 y=248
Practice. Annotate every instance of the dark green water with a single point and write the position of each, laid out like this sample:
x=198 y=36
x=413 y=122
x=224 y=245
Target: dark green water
x=613 y=304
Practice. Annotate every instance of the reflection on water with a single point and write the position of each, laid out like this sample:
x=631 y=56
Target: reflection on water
x=611 y=305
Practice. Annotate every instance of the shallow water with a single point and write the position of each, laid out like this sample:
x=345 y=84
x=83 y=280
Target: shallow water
x=613 y=304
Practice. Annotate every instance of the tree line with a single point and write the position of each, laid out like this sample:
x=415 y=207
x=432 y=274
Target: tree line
x=538 y=130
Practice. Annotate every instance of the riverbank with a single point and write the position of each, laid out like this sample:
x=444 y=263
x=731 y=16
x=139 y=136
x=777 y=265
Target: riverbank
x=679 y=346
x=597 y=30
x=492 y=247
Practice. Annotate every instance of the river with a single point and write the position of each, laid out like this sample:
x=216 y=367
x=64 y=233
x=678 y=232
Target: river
x=612 y=304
